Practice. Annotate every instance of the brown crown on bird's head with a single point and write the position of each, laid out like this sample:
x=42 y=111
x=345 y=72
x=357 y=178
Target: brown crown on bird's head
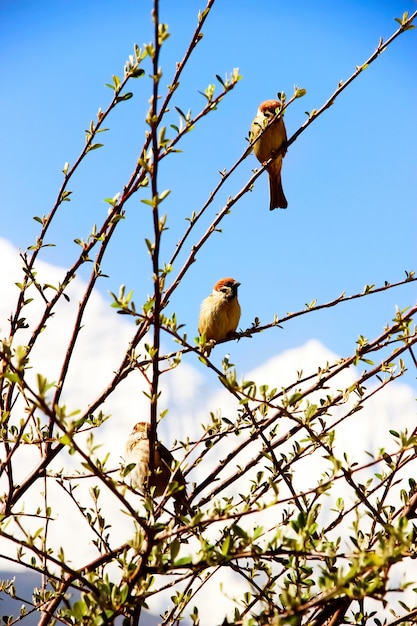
x=227 y=285
x=270 y=106
x=141 y=428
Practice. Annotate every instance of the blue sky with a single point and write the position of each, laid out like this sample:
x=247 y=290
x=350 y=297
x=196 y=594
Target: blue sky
x=349 y=179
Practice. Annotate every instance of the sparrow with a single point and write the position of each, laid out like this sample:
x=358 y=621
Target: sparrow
x=137 y=453
x=268 y=144
x=220 y=312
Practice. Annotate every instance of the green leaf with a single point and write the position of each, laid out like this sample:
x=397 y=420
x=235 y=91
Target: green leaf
x=79 y=610
x=240 y=532
x=226 y=546
x=65 y=440
x=292 y=400
x=312 y=304
x=164 y=194
x=125 y=96
x=94 y=146
x=186 y=560
x=65 y=196
x=137 y=73
x=310 y=411
x=299 y=92
x=174 y=549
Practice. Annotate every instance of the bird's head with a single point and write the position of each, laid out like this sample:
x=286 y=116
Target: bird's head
x=228 y=287
x=270 y=107
x=141 y=428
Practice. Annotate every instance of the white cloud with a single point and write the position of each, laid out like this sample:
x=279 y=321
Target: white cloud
x=188 y=395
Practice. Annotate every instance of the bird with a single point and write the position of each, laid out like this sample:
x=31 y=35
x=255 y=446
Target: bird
x=219 y=312
x=268 y=144
x=137 y=453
